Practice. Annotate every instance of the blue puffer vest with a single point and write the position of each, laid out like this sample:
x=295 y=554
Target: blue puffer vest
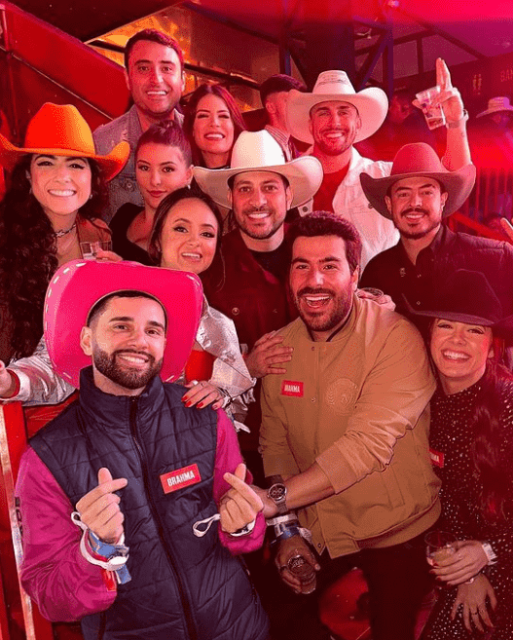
x=182 y=587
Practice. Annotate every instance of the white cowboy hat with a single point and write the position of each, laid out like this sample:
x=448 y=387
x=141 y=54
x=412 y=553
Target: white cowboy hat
x=496 y=105
x=372 y=105
x=259 y=151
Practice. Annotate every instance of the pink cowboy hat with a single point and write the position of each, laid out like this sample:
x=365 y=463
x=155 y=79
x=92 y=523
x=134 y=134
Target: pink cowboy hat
x=79 y=284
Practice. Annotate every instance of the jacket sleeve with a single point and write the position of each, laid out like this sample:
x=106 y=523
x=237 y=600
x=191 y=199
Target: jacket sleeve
x=228 y=456
x=393 y=397
x=64 y=585
x=39 y=384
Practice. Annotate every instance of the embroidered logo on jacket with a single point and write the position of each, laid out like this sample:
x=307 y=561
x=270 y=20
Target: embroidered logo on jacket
x=180 y=478
x=292 y=388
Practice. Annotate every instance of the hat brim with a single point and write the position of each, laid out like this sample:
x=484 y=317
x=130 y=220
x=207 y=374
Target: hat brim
x=110 y=164
x=304 y=176
x=489 y=112
x=79 y=284
x=502 y=329
x=458 y=185
x=371 y=103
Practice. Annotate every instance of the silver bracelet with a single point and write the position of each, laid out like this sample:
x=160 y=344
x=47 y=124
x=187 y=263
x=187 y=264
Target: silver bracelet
x=456 y=123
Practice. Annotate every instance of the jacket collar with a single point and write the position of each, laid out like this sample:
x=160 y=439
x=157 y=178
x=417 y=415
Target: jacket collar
x=113 y=412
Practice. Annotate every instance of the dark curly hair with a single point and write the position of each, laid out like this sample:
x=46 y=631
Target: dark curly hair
x=28 y=253
x=190 y=115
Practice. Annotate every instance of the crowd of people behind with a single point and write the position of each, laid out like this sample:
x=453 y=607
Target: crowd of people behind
x=295 y=294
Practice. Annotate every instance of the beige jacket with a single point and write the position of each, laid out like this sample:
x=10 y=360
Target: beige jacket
x=357 y=406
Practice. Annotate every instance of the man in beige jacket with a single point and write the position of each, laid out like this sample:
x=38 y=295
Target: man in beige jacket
x=346 y=428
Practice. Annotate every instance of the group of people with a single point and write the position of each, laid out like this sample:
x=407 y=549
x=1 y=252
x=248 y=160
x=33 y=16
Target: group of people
x=213 y=326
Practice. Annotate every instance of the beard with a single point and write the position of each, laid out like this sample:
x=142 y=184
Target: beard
x=125 y=377
x=256 y=234
x=417 y=235
x=341 y=307
x=336 y=149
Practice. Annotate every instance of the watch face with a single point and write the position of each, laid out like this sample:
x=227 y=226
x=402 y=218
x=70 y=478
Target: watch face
x=277 y=492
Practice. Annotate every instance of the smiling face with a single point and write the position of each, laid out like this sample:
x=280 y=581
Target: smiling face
x=126 y=341
x=213 y=130
x=334 y=125
x=160 y=169
x=260 y=201
x=154 y=78
x=60 y=184
x=322 y=283
x=460 y=352
x=189 y=237
x=416 y=205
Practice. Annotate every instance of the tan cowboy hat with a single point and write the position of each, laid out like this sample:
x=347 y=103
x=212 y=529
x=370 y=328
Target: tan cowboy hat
x=60 y=130
x=259 y=151
x=420 y=160
x=372 y=105
x=496 y=105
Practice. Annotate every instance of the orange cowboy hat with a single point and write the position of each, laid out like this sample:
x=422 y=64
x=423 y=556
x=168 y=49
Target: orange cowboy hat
x=60 y=130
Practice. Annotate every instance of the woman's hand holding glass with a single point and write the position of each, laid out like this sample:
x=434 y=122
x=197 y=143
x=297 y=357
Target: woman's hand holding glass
x=466 y=562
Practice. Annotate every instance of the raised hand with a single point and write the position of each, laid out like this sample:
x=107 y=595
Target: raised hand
x=99 y=509
x=241 y=504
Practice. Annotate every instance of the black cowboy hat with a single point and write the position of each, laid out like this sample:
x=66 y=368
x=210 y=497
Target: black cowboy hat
x=466 y=296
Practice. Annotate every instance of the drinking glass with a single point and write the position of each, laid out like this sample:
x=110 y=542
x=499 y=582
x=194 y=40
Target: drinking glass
x=439 y=546
x=433 y=113
x=90 y=249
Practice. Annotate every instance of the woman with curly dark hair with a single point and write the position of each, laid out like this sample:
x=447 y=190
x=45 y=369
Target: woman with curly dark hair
x=56 y=191
x=213 y=122
x=471 y=441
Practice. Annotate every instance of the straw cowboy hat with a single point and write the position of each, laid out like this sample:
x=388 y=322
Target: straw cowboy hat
x=259 y=151
x=420 y=160
x=466 y=296
x=60 y=130
x=79 y=284
x=372 y=105
x=496 y=105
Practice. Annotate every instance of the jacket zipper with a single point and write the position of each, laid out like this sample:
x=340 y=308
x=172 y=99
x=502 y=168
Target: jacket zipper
x=191 y=628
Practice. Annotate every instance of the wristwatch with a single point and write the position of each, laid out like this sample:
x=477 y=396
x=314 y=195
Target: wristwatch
x=278 y=494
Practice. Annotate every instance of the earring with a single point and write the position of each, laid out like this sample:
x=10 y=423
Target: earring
x=90 y=196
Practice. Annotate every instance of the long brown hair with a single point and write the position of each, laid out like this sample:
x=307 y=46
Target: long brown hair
x=190 y=115
x=491 y=466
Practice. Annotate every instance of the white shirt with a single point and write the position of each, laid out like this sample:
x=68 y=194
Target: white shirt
x=377 y=232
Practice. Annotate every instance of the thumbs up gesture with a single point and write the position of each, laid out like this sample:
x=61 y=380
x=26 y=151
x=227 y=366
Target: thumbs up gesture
x=99 y=509
x=241 y=504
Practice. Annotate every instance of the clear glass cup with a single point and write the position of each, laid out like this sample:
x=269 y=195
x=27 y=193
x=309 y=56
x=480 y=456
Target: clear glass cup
x=303 y=570
x=90 y=249
x=439 y=546
x=433 y=113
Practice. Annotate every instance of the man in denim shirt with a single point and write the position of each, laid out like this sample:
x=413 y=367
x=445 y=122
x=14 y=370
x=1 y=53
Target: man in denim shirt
x=154 y=69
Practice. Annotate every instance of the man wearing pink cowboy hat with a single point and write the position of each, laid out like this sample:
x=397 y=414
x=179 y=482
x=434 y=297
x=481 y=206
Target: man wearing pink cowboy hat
x=117 y=495
x=154 y=70
x=417 y=196
x=333 y=118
